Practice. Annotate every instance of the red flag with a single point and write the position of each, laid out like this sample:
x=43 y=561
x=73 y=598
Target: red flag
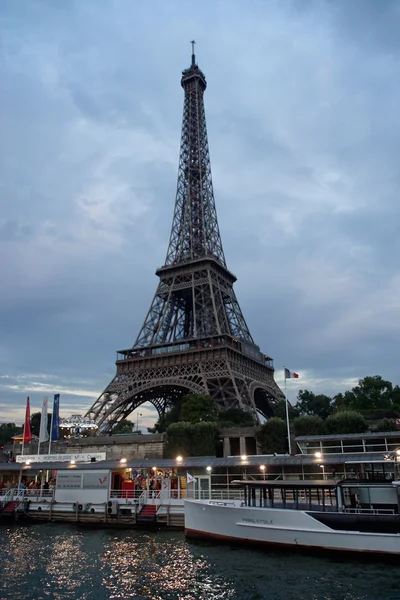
x=27 y=426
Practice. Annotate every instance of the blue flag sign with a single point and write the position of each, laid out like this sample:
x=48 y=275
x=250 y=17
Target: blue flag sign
x=55 y=421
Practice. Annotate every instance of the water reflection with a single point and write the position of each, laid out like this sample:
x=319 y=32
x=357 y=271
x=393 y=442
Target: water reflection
x=158 y=567
x=55 y=562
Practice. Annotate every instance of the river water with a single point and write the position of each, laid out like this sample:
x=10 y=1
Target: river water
x=60 y=562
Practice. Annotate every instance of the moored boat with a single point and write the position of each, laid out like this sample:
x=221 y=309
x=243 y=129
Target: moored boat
x=348 y=516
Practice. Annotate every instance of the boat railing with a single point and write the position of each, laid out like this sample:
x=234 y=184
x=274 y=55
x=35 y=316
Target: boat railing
x=369 y=511
x=227 y=494
x=38 y=493
x=221 y=503
x=6 y=496
x=135 y=495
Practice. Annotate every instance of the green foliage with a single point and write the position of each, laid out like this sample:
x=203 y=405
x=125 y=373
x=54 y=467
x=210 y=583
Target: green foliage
x=346 y=421
x=280 y=410
x=124 y=426
x=308 y=425
x=370 y=393
x=7 y=430
x=191 y=439
x=203 y=438
x=317 y=405
x=235 y=417
x=386 y=425
x=178 y=439
x=35 y=423
x=193 y=408
x=375 y=414
x=197 y=408
x=171 y=416
x=272 y=436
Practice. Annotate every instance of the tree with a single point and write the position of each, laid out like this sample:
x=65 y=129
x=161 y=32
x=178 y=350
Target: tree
x=386 y=425
x=35 y=423
x=318 y=405
x=178 y=439
x=171 y=416
x=280 y=410
x=235 y=417
x=191 y=439
x=371 y=393
x=272 y=436
x=197 y=408
x=7 y=430
x=193 y=408
x=346 y=421
x=124 y=426
x=203 y=439
x=308 y=425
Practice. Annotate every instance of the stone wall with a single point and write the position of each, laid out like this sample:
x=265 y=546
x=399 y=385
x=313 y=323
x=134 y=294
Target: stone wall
x=115 y=447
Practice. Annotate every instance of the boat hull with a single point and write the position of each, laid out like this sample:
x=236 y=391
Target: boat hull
x=280 y=527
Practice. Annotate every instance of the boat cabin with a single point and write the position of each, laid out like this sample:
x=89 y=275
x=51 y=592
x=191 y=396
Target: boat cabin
x=348 y=495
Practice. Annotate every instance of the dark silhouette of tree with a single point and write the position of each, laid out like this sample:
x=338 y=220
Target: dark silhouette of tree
x=7 y=430
x=371 y=393
x=346 y=421
x=272 y=436
x=308 y=425
x=124 y=426
x=317 y=405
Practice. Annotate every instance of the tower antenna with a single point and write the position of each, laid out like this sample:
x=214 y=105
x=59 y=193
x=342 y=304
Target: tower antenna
x=193 y=56
x=194 y=338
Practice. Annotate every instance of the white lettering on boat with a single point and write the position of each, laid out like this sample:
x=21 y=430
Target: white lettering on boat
x=258 y=521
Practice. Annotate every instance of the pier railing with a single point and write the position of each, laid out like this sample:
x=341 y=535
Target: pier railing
x=15 y=494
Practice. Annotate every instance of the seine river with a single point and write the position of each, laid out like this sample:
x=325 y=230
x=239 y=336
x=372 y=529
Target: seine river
x=60 y=562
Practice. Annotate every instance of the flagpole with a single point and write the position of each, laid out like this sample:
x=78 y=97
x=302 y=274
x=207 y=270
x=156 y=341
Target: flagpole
x=287 y=415
x=51 y=429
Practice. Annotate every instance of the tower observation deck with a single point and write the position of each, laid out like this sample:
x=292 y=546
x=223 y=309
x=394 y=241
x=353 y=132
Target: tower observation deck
x=194 y=338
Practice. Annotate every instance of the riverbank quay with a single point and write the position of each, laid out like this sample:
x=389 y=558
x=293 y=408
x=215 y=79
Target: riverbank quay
x=149 y=493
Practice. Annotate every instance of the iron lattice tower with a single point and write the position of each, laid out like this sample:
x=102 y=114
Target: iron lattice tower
x=194 y=337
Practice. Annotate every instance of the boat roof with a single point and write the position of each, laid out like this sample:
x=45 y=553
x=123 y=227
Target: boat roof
x=287 y=483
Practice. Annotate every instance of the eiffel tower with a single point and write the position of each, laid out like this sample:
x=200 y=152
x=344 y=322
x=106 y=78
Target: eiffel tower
x=194 y=338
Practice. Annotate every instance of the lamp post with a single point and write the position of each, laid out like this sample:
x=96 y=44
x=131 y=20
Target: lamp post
x=318 y=456
x=137 y=421
x=262 y=469
x=395 y=456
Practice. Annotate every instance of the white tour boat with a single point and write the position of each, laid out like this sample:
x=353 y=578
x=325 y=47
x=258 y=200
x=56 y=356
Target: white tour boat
x=350 y=515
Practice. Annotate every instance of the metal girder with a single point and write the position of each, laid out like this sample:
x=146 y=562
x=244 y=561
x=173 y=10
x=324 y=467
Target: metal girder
x=231 y=379
x=194 y=313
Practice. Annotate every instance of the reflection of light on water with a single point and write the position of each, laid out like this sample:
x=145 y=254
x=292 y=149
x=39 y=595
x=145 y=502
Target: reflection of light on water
x=65 y=563
x=155 y=571
x=61 y=562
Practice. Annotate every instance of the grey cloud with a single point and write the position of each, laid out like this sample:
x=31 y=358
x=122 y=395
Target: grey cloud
x=304 y=136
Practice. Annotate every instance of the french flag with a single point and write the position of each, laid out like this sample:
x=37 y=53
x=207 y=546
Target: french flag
x=291 y=374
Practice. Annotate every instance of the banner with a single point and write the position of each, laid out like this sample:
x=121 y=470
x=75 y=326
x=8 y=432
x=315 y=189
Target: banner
x=27 y=426
x=44 y=433
x=55 y=419
x=50 y=458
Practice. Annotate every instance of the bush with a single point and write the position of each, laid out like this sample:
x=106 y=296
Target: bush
x=386 y=425
x=346 y=421
x=190 y=439
x=178 y=439
x=308 y=425
x=235 y=417
x=272 y=436
x=203 y=438
x=374 y=414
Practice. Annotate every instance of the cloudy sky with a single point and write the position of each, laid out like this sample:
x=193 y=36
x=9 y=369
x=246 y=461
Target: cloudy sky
x=304 y=129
